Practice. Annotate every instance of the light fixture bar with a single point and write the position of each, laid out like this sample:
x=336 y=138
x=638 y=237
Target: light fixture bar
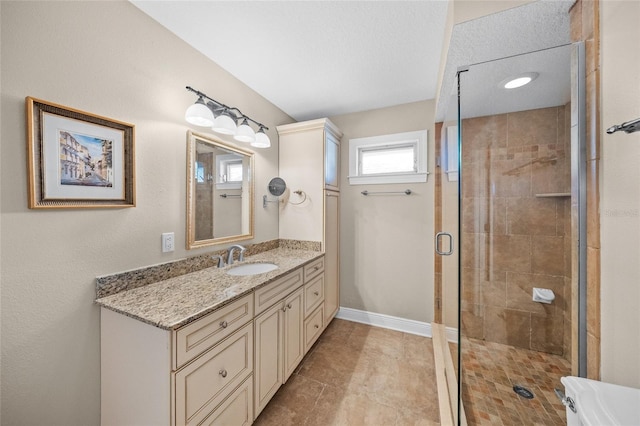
x=229 y=109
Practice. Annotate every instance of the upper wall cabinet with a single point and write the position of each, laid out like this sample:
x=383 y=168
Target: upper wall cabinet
x=310 y=163
x=315 y=143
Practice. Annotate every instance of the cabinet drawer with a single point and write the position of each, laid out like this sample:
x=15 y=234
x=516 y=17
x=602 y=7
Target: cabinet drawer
x=277 y=290
x=313 y=294
x=237 y=409
x=202 y=385
x=198 y=336
x=313 y=327
x=313 y=269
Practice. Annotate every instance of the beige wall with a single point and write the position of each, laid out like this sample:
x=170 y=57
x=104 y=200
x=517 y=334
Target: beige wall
x=620 y=194
x=107 y=58
x=386 y=241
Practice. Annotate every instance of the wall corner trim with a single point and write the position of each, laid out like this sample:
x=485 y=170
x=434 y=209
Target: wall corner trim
x=393 y=323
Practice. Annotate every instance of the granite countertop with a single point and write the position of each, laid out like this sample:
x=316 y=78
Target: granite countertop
x=172 y=303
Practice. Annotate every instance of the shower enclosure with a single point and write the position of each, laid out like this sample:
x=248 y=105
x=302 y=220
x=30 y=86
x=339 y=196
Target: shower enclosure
x=520 y=212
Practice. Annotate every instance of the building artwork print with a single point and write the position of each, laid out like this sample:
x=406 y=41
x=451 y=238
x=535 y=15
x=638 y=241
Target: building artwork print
x=85 y=160
x=77 y=159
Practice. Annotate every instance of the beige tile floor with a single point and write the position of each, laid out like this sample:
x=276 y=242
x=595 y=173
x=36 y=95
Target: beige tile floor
x=359 y=375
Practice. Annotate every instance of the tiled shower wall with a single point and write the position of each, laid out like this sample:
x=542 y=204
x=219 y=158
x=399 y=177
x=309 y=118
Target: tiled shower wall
x=516 y=228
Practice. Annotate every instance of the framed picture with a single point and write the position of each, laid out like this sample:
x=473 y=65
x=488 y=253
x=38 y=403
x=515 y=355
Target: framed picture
x=78 y=159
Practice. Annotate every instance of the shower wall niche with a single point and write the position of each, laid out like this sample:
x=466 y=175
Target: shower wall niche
x=516 y=228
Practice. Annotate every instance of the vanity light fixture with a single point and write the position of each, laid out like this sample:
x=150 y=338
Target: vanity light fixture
x=223 y=119
x=521 y=80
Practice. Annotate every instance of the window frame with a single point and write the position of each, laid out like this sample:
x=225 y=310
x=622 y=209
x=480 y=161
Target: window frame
x=222 y=163
x=417 y=139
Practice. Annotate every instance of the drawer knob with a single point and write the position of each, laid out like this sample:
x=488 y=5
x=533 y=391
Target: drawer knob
x=223 y=324
x=223 y=373
x=316 y=326
x=317 y=293
x=316 y=268
x=289 y=306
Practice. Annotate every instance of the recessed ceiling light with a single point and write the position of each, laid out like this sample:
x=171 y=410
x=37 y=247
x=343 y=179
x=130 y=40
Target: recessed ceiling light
x=519 y=81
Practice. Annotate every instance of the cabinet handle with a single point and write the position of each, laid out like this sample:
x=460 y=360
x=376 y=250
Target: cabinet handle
x=316 y=268
x=284 y=309
x=317 y=293
x=289 y=306
x=316 y=326
x=223 y=324
x=223 y=373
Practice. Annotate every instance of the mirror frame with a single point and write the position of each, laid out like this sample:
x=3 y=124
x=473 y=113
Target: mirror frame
x=192 y=140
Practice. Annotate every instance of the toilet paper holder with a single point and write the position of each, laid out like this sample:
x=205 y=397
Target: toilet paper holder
x=543 y=295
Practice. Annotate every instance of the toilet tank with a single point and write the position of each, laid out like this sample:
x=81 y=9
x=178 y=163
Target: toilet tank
x=600 y=403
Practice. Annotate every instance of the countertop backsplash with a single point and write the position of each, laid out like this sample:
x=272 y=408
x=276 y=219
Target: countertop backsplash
x=108 y=285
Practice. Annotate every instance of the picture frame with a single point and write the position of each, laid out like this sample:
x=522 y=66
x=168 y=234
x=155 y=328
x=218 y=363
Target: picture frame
x=77 y=159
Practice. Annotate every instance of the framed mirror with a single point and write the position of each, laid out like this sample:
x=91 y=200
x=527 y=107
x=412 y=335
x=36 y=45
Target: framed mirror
x=219 y=191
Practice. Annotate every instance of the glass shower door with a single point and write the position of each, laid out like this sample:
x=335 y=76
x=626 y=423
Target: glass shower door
x=516 y=233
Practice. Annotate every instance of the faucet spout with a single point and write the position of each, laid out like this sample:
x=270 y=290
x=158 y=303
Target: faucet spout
x=220 y=260
x=240 y=255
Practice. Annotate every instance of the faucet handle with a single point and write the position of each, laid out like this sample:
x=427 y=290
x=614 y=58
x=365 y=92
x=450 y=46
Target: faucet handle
x=220 y=260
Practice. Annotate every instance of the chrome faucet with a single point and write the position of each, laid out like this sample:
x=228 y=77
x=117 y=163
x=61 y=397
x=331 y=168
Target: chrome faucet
x=240 y=256
x=220 y=260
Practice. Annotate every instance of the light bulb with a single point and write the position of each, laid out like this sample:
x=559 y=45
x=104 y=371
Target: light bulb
x=519 y=81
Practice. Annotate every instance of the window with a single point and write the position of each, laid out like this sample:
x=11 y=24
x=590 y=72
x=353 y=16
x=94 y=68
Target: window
x=234 y=171
x=229 y=171
x=396 y=158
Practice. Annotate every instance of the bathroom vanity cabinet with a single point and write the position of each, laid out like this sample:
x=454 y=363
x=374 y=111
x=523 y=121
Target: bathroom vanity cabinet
x=178 y=377
x=287 y=329
x=309 y=161
x=222 y=368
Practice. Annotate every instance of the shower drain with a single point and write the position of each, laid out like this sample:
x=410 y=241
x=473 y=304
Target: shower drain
x=523 y=392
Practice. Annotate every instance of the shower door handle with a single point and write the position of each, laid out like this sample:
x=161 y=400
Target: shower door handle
x=439 y=236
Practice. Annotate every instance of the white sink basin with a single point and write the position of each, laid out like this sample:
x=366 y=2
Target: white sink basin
x=252 y=269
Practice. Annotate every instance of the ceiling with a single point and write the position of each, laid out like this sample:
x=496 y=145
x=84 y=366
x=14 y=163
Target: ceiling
x=498 y=45
x=317 y=59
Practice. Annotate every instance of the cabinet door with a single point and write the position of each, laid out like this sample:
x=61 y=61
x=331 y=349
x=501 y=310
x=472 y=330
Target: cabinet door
x=268 y=366
x=293 y=332
x=331 y=257
x=331 y=162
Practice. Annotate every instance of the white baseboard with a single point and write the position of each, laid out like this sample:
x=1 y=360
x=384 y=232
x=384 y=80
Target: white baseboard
x=393 y=323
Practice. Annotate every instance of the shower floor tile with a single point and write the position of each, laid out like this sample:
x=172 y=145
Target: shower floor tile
x=490 y=370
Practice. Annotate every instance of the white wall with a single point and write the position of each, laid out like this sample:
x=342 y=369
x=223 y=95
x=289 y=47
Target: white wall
x=386 y=242
x=110 y=59
x=620 y=194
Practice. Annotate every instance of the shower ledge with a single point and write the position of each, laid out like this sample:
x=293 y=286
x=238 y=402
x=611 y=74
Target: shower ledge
x=554 y=194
